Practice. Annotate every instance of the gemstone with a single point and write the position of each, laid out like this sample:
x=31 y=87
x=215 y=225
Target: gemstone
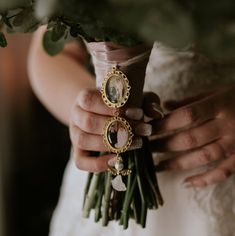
x=119 y=166
x=118 y=184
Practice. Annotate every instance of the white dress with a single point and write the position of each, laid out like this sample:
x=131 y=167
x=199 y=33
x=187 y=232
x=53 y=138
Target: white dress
x=210 y=211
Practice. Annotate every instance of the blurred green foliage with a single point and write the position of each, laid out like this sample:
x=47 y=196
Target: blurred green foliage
x=210 y=24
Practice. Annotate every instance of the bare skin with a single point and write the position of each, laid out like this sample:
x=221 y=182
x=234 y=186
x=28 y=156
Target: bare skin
x=67 y=89
x=204 y=127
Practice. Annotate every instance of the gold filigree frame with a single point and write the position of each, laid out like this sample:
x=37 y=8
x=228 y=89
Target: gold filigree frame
x=124 y=172
x=126 y=87
x=127 y=127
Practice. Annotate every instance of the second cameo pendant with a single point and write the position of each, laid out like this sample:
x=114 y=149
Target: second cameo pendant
x=117 y=134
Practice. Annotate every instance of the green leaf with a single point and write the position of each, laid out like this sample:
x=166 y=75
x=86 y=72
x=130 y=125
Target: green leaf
x=58 y=32
x=50 y=46
x=25 y=21
x=3 y=41
x=21 y=17
x=51 y=24
x=6 y=22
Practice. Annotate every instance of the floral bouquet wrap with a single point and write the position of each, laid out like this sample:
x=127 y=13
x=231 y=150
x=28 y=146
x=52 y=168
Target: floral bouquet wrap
x=118 y=35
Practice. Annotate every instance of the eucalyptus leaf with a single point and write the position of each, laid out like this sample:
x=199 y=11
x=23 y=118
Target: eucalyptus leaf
x=3 y=41
x=6 y=22
x=58 y=31
x=50 y=46
x=176 y=23
x=21 y=17
x=51 y=24
x=25 y=21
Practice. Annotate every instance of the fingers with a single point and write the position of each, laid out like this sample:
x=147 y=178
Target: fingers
x=202 y=156
x=91 y=100
x=204 y=132
x=190 y=139
x=94 y=123
x=88 y=122
x=216 y=152
x=85 y=141
x=172 y=104
x=187 y=116
x=219 y=174
x=82 y=142
x=134 y=113
x=143 y=129
x=88 y=118
x=150 y=97
x=85 y=162
x=151 y=106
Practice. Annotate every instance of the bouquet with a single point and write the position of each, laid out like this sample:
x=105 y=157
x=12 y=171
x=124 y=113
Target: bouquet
x=126 y=22
x=117 y=34
x=130 y=187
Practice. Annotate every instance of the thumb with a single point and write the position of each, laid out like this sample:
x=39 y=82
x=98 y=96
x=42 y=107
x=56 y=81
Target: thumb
x=151 y=105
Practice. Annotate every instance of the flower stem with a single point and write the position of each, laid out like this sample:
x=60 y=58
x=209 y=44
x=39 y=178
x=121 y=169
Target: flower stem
x=150 y=171
x=91 y=195
x=89 y=177
x=127 y=202
x=131 y=185
x=142 y=191
x=141 y=188
x=137 y=206
x=100 y=193
x=106 y=199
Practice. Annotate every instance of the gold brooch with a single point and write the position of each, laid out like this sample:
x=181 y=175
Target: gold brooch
x=115 y=88
x=117 y=134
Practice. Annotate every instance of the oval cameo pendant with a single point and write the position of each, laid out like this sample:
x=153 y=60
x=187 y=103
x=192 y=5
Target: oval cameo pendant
x=117 y=135
x=115 y=88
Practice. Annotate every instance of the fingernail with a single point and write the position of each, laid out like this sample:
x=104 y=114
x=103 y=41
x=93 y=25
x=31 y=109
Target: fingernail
x=157 y=108
x=162 y=166
x=134 y=113
x=137 y=143
x=112 y=161
x=143 y=129
x=187 y=184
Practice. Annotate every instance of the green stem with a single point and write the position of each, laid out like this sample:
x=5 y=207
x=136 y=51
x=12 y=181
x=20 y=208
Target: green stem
x=137 y=206
x=127 y=202
x=116 y=204
x=100 y=194
x=106 y=199
x=152 y=202
x=91 y=195
x=89 y=177
x=131 y=184
x=150 y=169
x=141 y=190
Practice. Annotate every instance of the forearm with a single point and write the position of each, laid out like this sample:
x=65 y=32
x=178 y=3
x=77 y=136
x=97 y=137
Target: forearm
x=56 y=80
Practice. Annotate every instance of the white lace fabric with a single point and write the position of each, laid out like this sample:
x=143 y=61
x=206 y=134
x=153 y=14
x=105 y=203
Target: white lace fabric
x=209 y=211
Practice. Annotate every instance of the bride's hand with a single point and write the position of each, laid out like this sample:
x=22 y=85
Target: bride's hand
x=202 y=132
x=88 y=117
